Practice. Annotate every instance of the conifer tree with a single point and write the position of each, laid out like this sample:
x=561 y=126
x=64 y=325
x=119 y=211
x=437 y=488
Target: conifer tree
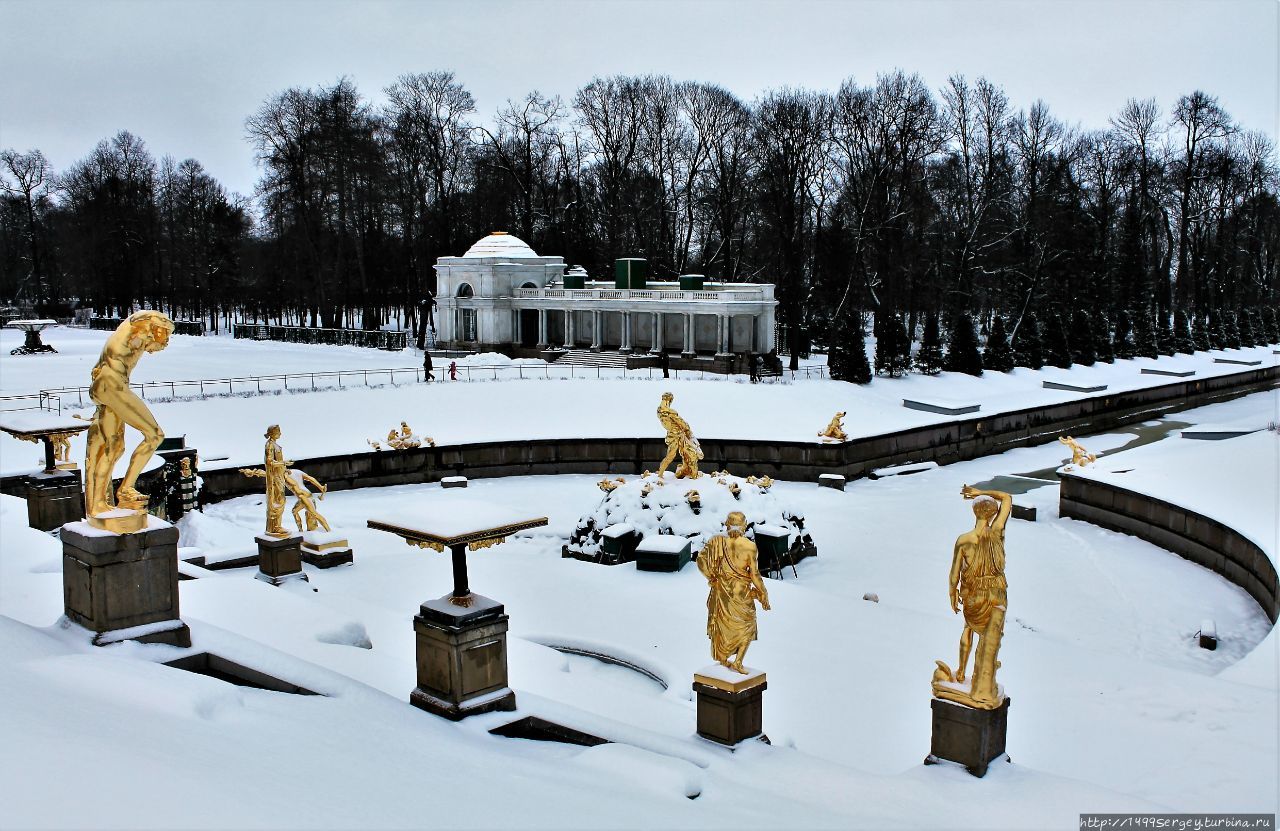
x=962 y=346
x=1123 y=340
x=1230 y=330
x=848 y=361
x=1217 y=331
x=1182 y=340
x=1081 y=339
x=1102 y=339
x=1200 y=333
x=1247 y=337
x=1144 y=334
x=1273 y=324
x=1057 y=346
x=929 y=358
x=893 y=347
x=998 y=355
x=1164 y=336
x=1028 y=346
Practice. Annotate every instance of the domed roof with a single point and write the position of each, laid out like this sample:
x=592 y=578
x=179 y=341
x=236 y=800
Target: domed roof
x=500 y=244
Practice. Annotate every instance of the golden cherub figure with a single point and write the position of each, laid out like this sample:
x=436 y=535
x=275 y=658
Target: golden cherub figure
x=1079 y=456
x=118 y=405
x=729 y=563
x=835 y=430
x=275 y=469
x=977 y=587
x=607 y=485
x=764 y=483
x=680 y=440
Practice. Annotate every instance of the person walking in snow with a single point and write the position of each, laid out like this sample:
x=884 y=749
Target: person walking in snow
x=427 y=366
x=453 y=370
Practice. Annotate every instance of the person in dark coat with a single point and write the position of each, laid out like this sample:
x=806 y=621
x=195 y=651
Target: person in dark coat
x=427 y=366
x=664 y=361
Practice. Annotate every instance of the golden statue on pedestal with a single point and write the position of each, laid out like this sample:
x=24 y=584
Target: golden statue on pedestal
x=296 y=481
x=729 y=564
x=977 y=585
x=275 y=469
x=835 y=430
x=1079 y=456
x=118 y=405
x=680 y=440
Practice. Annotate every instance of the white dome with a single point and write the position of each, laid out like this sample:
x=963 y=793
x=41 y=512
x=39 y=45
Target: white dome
x=500 y=244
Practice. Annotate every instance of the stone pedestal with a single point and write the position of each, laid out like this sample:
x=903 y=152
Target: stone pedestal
x=280 y=559
x=326 y=549
x=54 y=499
x=969 y=736
x=462 y=658
x=730 y=704
x=453 y=482
x=123 y=586
x=831 y=480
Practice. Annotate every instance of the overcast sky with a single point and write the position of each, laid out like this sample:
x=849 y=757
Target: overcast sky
x=184 y=75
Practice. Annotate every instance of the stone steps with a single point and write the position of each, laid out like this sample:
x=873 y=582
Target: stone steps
x=585 y=357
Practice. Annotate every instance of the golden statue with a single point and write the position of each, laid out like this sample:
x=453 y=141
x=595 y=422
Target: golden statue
x=1079 y=456
x=608 y=485
x=680 y=440
x=275 y=469
x=729 y=564
x=835 y=430
x=118 y=405
x=296 y=481
x=403 y=439
x=977 y=584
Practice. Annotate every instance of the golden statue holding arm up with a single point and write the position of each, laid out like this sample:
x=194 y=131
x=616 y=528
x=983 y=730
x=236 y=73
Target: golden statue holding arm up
x=680 y=440
x=729 y=564
x=118 y=405
x=275 y=469
x=977 y=586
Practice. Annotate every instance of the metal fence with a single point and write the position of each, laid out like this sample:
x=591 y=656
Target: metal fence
x=372 y=339
x=344 y=379
x=46 y=401
x=181 y=327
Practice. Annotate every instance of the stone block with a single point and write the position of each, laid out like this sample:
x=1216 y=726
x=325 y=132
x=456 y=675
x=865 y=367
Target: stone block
x=968 y=736
x=54 y=499
x=730 y=705
x=664 y=552
x=123 y=586
x=326 y=549
x=462 y=658
x=831 y=480
x=280 y=559
x=453 y=482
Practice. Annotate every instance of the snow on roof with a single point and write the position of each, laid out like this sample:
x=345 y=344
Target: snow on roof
x=500 y=244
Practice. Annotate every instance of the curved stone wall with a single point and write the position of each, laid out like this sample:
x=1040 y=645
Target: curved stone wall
x=1181 y=530
x=796 y=461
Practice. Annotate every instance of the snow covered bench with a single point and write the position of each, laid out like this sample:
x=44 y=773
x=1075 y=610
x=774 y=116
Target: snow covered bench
x=663 y=552
x=1236 y=361
x=1059 y=385
x=940 y=406
x=902 y=470
x=1172 y=373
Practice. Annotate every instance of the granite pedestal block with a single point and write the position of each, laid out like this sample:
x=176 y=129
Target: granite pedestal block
x=54 y=499
x=968 y=736
x=831 y=480
x=123 y=586
x=453 y=482
x=730 y=704
x=326 y=549
x=280 y=559
x=462 y=658
x=663 y=552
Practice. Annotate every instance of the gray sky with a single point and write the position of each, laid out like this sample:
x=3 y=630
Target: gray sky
x=183 y=75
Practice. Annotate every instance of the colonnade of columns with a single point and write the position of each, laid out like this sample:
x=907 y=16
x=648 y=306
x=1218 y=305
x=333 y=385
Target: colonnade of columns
x=723 y=337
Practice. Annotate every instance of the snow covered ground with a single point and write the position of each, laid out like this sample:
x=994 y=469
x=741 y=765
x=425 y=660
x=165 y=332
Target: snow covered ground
x=1114 y=708
x=341 y=421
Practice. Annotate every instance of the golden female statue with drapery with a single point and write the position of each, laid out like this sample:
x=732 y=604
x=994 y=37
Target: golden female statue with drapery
x=729 y=563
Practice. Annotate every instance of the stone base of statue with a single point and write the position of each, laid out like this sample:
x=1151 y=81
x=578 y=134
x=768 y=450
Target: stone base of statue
x=326 y=549
x=730 y=704
x=966 y=735
x=280 y=559
x=462 y=658
x=123 y=586
x=54 y=499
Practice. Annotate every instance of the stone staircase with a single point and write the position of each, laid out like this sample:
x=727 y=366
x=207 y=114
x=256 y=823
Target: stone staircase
x=585 y=357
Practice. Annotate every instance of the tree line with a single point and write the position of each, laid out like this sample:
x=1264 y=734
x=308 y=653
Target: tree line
x=924 y=210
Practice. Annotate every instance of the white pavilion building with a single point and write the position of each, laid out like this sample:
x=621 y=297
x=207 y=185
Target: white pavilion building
x=502 y=296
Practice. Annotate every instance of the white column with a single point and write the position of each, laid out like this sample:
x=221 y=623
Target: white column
x=568 y=328
x=626 y=332
x=725 y=323
x=688 y=334
x=657 y=333
x=595 y=330
x=542 y=328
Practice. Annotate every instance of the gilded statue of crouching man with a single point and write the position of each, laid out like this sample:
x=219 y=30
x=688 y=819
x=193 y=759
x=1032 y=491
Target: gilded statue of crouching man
x=977 y=585
x=118 y=405
x=729 y=564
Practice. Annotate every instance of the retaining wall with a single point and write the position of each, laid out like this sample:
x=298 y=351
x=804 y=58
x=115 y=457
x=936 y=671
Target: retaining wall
x=1181 y=530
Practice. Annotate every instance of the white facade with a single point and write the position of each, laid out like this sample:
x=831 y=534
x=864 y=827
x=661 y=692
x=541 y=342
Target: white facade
x=502 y=296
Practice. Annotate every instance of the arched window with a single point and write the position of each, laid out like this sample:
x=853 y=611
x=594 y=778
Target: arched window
x=464 y=290
x=529 y=285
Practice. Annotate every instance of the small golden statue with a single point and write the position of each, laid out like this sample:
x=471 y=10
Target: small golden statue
x=729 y=564
x=403 y=439
x=977 y=585
x=835 y=430
x=680 y=440
x=118 y=405
x=297 y=480
x=62 y=450
x=275 y=469
x=608 y=485
x=764 y=483
x=1079 y=456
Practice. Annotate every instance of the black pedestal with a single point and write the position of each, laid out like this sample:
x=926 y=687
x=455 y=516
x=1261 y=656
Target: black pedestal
x=123 y=586
x=280 y=559
x=729 y=711
x=54 y=499
x=971 y=737
x=462 y=658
